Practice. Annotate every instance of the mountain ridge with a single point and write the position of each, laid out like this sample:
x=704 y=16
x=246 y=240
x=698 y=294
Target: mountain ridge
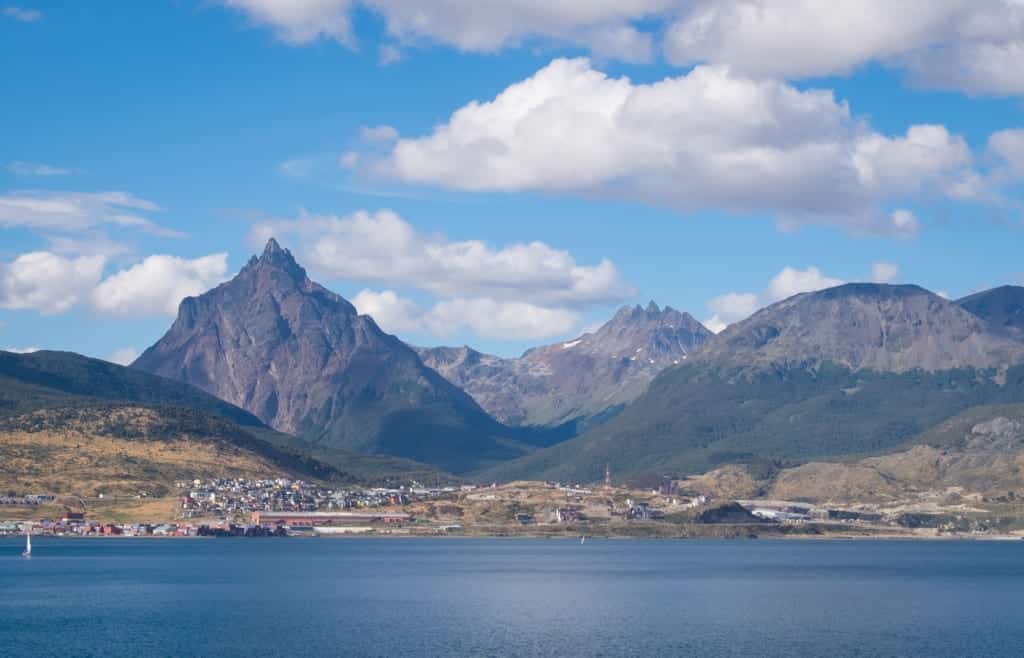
x=780 y=385
x=578 y=382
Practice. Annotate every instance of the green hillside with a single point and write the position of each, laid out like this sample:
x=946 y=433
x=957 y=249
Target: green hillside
x=699 y=416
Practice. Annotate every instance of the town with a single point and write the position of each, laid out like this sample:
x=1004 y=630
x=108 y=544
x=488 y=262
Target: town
x=233 y=507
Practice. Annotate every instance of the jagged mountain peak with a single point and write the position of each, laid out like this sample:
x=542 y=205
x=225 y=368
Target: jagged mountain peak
x=301 y=359
x=276 y=257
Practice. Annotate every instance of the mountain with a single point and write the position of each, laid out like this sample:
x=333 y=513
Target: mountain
x=1002 y=308
x=578 y=382
x=47 y=397
x=301 y=359
x=854 y=370
x=886 y=328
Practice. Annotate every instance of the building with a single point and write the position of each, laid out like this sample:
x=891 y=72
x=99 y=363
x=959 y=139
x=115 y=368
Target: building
x=328 y=519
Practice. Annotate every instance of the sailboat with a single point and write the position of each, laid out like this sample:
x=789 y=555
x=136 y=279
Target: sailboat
x=583 y=538
x=28 y=544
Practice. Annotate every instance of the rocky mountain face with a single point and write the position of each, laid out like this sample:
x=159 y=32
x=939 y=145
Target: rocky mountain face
x=884 y=328
x=1002 y=308
x=856 y=369
x=580 y=381
x=302 y=360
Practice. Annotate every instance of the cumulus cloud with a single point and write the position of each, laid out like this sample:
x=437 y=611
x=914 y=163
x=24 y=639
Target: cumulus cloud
x=486 y=317
x=607 y=27
x=78 y=211
x=883 y=272
x=735 y=306
x=22 y=15
x=971 y=45
x=497 y=319
x=22 y=350
x=47 y=282
x=792 y=281
x=20 y=168
x=124 y=356
x=157 y=285
x=1008 y=147
x=383 y=248
x=299 y=22
x=731 y=307
x=707 y=139
x=393 y=313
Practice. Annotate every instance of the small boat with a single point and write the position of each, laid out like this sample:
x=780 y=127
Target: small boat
x=28 y=544
x=583 y=539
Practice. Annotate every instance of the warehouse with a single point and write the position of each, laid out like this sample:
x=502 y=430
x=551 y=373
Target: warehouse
x=327 y=519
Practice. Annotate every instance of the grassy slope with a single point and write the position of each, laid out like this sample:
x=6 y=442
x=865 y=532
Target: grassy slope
x=65 y=383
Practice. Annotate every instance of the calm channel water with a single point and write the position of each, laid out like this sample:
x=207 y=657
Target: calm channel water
x=492 y=597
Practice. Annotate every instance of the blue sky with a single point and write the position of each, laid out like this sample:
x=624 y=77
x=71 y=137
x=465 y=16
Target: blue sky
x=502 y=177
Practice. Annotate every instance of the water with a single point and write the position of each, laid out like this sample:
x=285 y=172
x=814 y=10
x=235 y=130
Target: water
x=521 y=597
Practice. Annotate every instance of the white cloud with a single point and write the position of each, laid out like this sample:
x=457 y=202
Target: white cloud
x=22 y=15
x=485 y=317
x=22 y=350
x=604 y=26
x=707 y=139
x=735 y=306
x=124 y=356
x=78 y=211
x=393 y=313
x=19 y=168
x=1008 y=146
x=46 y=282
x=972 y=45
x=904 y=224
x=299 y=22
x=792 y=281
x=729 y=308
x=883 y=272
x=157 y=285
x=384 y=248
x=496 y=319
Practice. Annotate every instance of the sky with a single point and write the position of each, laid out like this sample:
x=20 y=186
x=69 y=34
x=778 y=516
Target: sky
x=500 y=173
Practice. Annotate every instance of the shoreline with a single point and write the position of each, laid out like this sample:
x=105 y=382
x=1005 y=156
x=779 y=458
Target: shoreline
x=15 y=539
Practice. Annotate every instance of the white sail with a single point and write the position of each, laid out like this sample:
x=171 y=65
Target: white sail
x=28 y=544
